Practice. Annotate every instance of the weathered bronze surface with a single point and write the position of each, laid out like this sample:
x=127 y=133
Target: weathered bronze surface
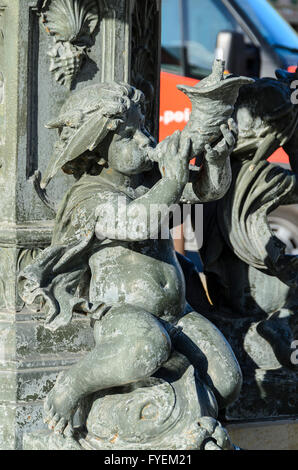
x=103 y=307
x=252 y=280
x=93 y=43
x=158 y=368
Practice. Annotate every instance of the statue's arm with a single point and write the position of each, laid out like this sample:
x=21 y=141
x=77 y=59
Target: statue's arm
x=120 y=218
x=211 y=184
x=214 y=178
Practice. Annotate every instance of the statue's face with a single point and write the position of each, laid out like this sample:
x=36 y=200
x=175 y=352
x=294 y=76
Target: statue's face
x=129 y=149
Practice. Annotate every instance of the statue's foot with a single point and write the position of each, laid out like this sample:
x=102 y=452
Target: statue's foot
x=277 y=333
x=60 y=405
x=218 y=435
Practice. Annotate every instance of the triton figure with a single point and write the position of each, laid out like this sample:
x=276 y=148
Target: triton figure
x=149 y=344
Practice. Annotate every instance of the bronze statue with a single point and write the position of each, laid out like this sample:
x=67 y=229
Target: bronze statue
x=252 y=280
x=158 y=368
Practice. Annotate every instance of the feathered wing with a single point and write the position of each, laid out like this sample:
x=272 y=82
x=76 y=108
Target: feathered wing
x=86 y=137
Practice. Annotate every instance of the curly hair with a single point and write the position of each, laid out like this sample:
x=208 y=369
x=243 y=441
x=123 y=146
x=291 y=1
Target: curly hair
x=111 y=101
x=114 y=99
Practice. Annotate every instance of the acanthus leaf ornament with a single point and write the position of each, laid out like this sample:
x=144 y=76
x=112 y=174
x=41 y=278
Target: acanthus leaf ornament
x=71 y=23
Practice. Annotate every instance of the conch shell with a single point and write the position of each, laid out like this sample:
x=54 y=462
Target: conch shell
x=213 y=100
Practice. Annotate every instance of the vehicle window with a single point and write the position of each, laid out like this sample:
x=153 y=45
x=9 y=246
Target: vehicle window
x=204 y=19
x=189 y=33
x=269 y=22
x=171 y=37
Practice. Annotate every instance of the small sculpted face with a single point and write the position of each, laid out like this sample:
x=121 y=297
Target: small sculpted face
x=129 y=150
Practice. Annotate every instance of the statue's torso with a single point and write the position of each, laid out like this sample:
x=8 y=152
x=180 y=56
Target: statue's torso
x=145 y=274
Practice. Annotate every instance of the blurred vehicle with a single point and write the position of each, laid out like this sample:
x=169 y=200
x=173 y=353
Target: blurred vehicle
x=252 y=38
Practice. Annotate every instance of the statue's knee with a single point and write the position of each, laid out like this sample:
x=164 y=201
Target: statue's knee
x=146 y=343
x=149 y=344
x=231 y=385
x=147 y=355
x=223 y=370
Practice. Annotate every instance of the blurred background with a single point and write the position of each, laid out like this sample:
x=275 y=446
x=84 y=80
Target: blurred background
x=255 y=38
x=288 y=9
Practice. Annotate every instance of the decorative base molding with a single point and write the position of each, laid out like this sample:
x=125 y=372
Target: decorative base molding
x=266 y=394
x=31 y=357
x=31 y=234
x=265 y=435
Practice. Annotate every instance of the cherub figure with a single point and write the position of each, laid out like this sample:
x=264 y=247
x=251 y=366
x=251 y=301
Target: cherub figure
x=131 y=285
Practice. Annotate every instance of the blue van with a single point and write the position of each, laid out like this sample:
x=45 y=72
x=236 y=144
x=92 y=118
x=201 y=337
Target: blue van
x=251 y=37
x=249 y=34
